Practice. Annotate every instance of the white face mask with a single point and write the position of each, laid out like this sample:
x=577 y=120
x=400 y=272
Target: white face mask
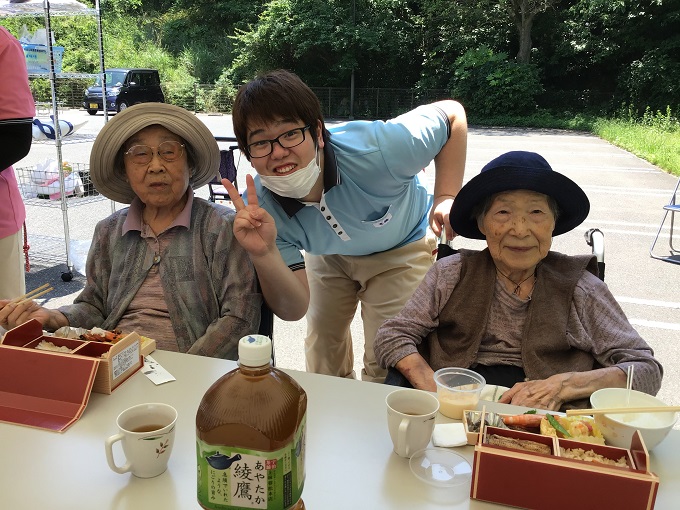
x=296 y=185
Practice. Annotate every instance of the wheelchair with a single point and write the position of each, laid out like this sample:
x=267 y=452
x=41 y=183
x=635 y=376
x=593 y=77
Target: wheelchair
x=594 y=238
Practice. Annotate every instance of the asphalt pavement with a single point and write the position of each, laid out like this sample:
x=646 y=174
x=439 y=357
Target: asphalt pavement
x=627 y=196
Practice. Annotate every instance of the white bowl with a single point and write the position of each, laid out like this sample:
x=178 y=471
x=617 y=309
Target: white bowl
x=618 y=429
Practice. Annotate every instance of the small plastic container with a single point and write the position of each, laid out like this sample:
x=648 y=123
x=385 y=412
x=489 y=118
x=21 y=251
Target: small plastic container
x=440 y=467
x=447 y=474
x=458 y=389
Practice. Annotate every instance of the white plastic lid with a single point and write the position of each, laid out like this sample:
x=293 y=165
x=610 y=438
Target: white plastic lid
x=440 y=467
x=254 y=350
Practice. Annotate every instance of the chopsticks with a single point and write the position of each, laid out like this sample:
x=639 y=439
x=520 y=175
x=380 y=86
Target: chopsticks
x=35 y=293
x=624 y=410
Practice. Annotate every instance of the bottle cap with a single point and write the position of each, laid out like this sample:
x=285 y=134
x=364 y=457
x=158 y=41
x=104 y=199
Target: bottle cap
x=254 y=350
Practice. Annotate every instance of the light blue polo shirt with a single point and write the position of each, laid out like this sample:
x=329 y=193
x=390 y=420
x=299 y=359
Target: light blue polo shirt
x=374 y=199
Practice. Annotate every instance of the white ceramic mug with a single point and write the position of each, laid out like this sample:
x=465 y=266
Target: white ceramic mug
x=147 y=434
x=410 y=419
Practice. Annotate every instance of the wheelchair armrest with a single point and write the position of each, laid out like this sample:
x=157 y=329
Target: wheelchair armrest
x=595 y=239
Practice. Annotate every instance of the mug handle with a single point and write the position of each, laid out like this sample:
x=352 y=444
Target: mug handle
x=109 y=455
x=401 y=436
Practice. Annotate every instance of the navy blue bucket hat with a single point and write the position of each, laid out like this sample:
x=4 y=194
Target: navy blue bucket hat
x=519 y=170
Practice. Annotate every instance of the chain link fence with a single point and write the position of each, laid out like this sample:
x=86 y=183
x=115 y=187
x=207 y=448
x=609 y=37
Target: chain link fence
x=374 y=103
x=200 y=98
x=70 y=92
x=369 y=103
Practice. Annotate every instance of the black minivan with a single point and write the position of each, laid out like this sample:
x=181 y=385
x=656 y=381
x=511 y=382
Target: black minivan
x=124 y=87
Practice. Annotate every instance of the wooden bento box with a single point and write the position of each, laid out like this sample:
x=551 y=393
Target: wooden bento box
x=526 y=479
x=117 y=361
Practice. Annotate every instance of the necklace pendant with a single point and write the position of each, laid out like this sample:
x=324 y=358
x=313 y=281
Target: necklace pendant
x=156 y=259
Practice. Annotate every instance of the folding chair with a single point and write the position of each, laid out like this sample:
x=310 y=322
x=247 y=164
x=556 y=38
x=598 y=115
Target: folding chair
x=594 y=238
x=227 y=171
x=672 y=207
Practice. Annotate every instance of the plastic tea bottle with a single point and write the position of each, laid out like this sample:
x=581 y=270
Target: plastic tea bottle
x=250 y=435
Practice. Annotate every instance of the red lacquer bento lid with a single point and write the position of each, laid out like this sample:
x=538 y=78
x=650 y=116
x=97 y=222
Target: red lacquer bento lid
x=42 y=389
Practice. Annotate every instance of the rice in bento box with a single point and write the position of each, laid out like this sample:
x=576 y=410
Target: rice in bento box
x=591 y=456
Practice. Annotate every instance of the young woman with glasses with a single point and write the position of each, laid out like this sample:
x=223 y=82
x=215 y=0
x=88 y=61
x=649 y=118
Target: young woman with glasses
x=352 y=197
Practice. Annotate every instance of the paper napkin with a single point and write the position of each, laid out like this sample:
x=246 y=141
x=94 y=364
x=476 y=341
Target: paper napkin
x=449 y=434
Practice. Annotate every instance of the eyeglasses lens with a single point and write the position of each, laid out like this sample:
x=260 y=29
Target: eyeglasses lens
x=287 y=140
x=168 y=151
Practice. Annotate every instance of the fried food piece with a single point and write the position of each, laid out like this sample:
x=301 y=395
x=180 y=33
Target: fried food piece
x=578 y=428
x=102 y=335
x=518 y=444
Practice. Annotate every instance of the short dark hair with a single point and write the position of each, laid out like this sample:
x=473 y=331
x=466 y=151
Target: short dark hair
x=278 y=94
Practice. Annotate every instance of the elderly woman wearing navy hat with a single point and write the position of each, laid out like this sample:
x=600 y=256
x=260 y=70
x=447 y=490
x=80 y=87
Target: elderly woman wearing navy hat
x=168 y=266
x=525 y=317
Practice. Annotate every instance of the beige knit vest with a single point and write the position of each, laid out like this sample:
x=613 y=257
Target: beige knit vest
x=545 y=349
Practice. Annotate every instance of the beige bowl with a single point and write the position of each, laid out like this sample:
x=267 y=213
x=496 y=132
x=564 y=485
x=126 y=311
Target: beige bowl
x=618 y=429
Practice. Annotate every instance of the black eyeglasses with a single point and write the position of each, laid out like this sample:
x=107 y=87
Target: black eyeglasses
x=168 y=151
x=287 y=140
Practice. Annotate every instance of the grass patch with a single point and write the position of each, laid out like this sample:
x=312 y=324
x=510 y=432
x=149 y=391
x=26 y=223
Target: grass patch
x=539 y=120
x=658 y=146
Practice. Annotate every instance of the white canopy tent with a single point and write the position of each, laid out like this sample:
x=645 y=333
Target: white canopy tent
x=31 y=7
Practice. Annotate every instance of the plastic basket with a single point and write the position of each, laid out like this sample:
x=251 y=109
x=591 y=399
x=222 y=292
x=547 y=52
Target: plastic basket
x=37 y=61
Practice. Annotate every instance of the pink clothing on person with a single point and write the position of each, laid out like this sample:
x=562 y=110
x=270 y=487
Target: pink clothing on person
x=17 y=103
x=17 y=100
x=12 y=210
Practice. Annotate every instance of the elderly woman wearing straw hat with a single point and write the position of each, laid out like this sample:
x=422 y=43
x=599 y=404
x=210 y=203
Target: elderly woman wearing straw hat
x=167 y=267
x=522 y=316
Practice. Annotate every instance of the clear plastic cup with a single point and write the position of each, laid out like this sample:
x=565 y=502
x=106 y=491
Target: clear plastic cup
x=458 y=389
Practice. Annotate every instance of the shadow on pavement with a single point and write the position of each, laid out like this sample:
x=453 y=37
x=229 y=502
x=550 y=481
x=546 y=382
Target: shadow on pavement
x=63 y=292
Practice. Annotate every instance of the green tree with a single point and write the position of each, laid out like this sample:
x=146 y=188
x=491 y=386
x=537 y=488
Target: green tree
x=203 y=30
x=590 y=55
x=488 y=84
x=322 y=41
x=523 y=14
x=605 y=53
x=452 y=28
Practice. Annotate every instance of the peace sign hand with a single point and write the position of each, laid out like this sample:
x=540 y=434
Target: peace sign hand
x=254 y=227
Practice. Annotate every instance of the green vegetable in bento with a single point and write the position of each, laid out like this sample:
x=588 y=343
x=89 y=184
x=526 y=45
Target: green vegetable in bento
x=556 y=425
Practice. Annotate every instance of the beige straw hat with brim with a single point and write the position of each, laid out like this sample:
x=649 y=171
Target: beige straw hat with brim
x=112 y=184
